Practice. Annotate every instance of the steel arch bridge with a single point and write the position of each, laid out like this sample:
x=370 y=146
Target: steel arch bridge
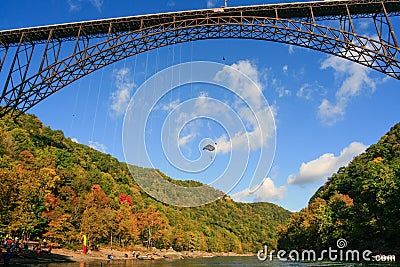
x=37 y=62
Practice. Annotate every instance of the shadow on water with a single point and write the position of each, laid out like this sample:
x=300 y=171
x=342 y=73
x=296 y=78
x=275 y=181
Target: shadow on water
x=203 y=262
x=30 y=258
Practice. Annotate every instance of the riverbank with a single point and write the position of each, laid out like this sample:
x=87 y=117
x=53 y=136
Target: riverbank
x=154 y=254
x=65 y=255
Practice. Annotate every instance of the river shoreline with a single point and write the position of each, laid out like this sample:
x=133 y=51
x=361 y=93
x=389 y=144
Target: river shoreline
x=64 y=255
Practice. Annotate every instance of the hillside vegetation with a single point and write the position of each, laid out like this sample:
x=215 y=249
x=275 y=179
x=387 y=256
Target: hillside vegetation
x=54 y=188
x=360 y=203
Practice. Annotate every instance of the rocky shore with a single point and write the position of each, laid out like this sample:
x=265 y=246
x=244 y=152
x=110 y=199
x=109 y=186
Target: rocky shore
x=64 y=255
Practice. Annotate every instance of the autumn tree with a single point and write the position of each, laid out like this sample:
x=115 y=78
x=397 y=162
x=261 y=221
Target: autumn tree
x=126 y=225
x=98 y=217
x=152 y=224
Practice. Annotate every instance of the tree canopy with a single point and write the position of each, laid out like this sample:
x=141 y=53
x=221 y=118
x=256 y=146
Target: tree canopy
x=360 y=203
x=54 y=188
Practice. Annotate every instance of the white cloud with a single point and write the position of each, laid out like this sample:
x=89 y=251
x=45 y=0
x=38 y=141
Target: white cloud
x=97 y=4
x=259 y=120
x=241 y=123
x=191 y=119
x=364 y=25
x=76 y=5
x=267 y=191
x=332 y=113
x=211 y=3
x=285 y=68
x=75 y=140
x=171 y=3
x=120 y=98
x=308 y=91
x=170 y=106
x=98 y=146
x=282 y=91
x=354 y=79
x=73 y=5
x=305 y=91
x=183 y=140
x=291 y=49
x=244 y=87
x=279 y=88
x=327 y=164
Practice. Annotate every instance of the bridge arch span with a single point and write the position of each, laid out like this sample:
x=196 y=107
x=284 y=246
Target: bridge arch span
x=53 y=74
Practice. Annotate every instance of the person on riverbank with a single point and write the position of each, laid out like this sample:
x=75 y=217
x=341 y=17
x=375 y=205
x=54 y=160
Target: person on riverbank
x=7 y=257
x=38 y=248
x=84 y=245
x=109 y=259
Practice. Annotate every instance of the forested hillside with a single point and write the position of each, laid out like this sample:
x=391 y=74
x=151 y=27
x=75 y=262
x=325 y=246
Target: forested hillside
x=360 y=203
x=54 y=188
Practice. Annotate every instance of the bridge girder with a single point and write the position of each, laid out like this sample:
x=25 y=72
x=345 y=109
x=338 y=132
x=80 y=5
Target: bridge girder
x=68 y=52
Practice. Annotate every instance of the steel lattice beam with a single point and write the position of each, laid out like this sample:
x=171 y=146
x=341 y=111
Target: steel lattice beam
x=71 y=51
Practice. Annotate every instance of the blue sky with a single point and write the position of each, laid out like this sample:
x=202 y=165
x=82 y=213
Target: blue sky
x=326 y=110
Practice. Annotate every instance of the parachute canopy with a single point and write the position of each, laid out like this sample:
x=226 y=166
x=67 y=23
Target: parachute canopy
x=209 y=147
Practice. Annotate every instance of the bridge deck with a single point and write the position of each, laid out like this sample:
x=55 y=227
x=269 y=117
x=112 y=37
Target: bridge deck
x=320 y=9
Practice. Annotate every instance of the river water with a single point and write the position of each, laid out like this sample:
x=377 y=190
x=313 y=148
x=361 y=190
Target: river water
x=207 y=262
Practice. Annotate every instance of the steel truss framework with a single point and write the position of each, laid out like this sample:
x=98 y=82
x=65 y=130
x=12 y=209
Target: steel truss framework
x=37 y=62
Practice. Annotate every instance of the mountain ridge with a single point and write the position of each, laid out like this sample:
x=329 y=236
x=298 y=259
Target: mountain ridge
x=359 y=203
x=57 y=189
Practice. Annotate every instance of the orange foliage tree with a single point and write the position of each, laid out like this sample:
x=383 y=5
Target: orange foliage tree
x=152 y=224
